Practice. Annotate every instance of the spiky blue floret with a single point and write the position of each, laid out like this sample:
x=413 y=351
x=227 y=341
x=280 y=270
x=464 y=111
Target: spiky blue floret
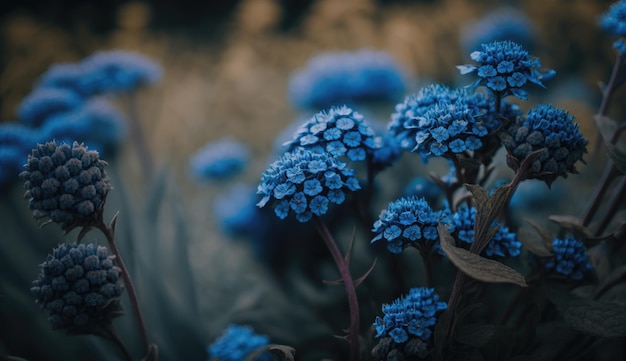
x=503 y=243
x=347 y=77
x=614 y=20
x=409 y=316
x=550 y=128
x=408 y=221
x=306 y=183
x=218 y=160
x=505 y=67
x=504 y=23
x=569 y=258
x=42 y=103
x=236 y=343
x=340 y=131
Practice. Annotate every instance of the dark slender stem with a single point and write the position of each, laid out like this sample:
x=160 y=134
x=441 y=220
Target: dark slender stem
x=128 y=283
x=455 y=296
x=113 y=337
x=617 y=199
x=348 y=283
x=138 y=137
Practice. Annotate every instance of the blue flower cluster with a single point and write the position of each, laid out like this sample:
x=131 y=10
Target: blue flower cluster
x=236 y=343
x=614 y=20
x=504 y=23
x=235 y=211
x=218 y=160
x=504 y=68
x=410 y=316
x=306 y=183
x=569 y=258
x=503 y=243
x=42 y=103
x=347 y=77
x=341 y=132
x=407 y=222
x=552 y=129
x=386 y=151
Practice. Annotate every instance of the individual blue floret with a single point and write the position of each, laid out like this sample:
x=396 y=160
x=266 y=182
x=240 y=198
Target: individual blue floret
x=346 y=77
x=236 y=343
x=43 y=103
x=219 y=160
x=614 y=20
x=504 y=23
x=569 y=258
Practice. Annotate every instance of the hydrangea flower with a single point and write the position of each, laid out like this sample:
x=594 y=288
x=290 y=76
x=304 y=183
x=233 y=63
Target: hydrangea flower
x=79 y=286
x=503 y=23
x=235 y=211
x=236 y=343
x=552 y=129
x=410 y=316
x=569 y=258
x=407 y=222
x=614 y=20
x=347 y=77
x=218 y=160
x=504 y=67
x=67 y=185
x=503 y=243
x=306 y=183
x=42 y=103
x=341 y=132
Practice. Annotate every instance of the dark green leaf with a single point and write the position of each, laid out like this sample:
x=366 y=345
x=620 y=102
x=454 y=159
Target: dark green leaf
x=545 y=235
x=476 y=334
x=475 y=266
x=487 y=209
x=571 y=223
x=597 y=318
x=533 y=242
x=280 y=353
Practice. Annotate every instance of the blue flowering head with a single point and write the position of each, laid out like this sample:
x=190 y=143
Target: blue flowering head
x=347 y=77
x=387 y=151
x=65 y=184
x=504 y=23
x=306 y=183
x=79 y=286
x=235 y=211
x=410 y=316
x=43 y=103
x=614 y=20
x=64 y=76
x=569 y=258
x=219 y=160
x=341 y=132
x=504 y=67
x=236 y=343
x=551 y=129
x=408 y=221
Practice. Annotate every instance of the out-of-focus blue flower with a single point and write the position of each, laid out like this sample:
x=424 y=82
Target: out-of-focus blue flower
x=504 y=23
x=306 y=183
x=341 y=132
x=387 y=151
x=569 y=258
x=236 y=343
x=620 y=46
x=347 y=77
x=614 y=20
x=235 y=210
x=218 y=160
x=552 y=129
x=42 y=103
x=422 y=187
x=63 y=76
x=410 y=316
x=407 y=222
x=505 y=67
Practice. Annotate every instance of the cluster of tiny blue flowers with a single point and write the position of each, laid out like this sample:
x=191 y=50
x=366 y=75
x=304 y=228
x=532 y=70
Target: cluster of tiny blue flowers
x=407 y=222
x=218 y=160
x=44 y=102
x=236 y=343
x=614 y=20
x=503 y=243
x=410 y=316
x=341 y=132
x=552 y=129
x=504 y=68
x=504 y=23
x=569 y=258
x=79 y=285
x=347 y=77
x=306 y=183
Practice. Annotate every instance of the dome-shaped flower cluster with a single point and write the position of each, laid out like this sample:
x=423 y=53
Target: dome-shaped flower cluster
x=614 y=20
x=503 y=23
x=569 y=258
x=346 y=77
x=79 y=285
x=218 y=160
x=410 y=316
x=407 y=222
x=503 y=243
x=505 y=67
x=341 y=132
x=306 y=182
x=66 y=184
x=550 y=128
x=44 y=102
x=236 y=343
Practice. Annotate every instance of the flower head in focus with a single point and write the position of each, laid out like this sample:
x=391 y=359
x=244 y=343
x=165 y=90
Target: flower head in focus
x=236 y=343
x=569 y=258
x=219 y=160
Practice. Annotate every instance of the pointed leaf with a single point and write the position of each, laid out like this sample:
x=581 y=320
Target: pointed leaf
x=487 y=209
x=571 y=223
x=533 y=242
x=475 y=266
x=546 y=236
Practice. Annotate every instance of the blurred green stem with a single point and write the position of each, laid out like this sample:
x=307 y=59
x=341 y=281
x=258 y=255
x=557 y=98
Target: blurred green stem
x=138 y=137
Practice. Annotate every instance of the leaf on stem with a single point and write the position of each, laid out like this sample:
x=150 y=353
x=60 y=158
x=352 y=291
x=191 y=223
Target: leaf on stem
x=475 y=266
x=357 y=281
x=533 y=242
x=617 y=152
x=487 y=209
x=545 y=235
x=572 y=224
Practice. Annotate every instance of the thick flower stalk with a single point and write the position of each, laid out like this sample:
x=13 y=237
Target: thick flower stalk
x=236 y=343
x=504 y=67
x=79 y=286
x=569 y=259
